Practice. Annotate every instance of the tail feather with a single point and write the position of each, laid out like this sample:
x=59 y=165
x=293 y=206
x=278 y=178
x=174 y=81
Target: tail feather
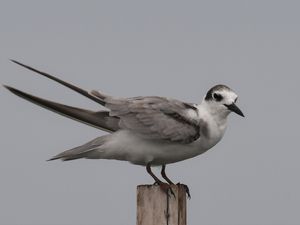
x=82 y=151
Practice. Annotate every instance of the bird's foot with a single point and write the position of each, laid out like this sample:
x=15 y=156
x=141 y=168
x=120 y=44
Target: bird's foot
x=165 y=187
x=187 y=190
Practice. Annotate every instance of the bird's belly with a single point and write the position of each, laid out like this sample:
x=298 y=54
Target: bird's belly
x=138 y=150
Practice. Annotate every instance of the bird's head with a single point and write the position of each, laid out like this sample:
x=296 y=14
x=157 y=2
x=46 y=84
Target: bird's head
x=221 y=100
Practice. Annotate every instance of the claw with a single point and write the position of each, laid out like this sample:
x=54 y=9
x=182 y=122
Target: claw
x=187 y=190
x=167 y=189
x=170 y=190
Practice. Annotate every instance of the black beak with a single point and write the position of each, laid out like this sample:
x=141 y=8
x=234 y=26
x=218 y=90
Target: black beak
x=235 y=109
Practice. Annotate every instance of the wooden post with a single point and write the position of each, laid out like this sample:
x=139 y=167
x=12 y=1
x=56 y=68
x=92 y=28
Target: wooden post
x=155 y=207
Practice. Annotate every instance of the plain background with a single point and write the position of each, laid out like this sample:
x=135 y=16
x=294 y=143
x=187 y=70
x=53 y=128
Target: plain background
x=177 y=49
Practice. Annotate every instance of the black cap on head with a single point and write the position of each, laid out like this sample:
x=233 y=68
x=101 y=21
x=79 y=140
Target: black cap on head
x=219 y=87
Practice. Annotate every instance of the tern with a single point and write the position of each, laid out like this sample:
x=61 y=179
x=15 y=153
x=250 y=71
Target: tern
x=148 y=131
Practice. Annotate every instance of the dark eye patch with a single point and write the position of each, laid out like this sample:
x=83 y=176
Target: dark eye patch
x=218 y=97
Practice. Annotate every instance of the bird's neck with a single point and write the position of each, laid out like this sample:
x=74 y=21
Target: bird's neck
x=218 y=116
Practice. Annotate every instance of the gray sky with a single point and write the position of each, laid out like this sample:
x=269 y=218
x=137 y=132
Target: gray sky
x=177 y=49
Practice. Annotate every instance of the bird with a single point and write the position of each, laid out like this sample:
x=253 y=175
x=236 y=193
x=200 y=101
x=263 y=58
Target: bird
x=148 y=131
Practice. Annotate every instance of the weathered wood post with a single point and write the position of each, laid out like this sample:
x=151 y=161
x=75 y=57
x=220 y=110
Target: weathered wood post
x=155 y=207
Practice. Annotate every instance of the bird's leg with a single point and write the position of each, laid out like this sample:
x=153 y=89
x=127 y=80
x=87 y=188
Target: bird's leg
x=148 y=168
x=164 y=186
x=163 y=174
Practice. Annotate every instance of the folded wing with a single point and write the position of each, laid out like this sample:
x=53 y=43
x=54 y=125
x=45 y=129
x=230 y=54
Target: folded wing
x=155 y=117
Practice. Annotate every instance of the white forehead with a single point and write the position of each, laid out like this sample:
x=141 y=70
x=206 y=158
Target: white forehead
x=227 y=94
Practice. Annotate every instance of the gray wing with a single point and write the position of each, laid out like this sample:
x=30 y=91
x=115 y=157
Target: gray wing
x=98 y=119
x=155 y=117
x=64 y=83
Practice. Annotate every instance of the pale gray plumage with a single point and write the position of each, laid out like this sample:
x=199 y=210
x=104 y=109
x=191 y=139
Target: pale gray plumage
x=154 y=117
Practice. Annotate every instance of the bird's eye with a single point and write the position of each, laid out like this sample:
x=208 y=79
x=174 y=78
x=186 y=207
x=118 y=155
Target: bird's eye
x=218 y=97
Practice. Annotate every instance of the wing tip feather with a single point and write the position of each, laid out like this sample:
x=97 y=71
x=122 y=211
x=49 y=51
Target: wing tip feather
x=11 y=89
x=17 y=62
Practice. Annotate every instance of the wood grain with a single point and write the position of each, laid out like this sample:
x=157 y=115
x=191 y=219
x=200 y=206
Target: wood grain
x=155 y=207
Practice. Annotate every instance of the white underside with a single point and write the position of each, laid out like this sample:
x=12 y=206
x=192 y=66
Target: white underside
x=128 y=146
